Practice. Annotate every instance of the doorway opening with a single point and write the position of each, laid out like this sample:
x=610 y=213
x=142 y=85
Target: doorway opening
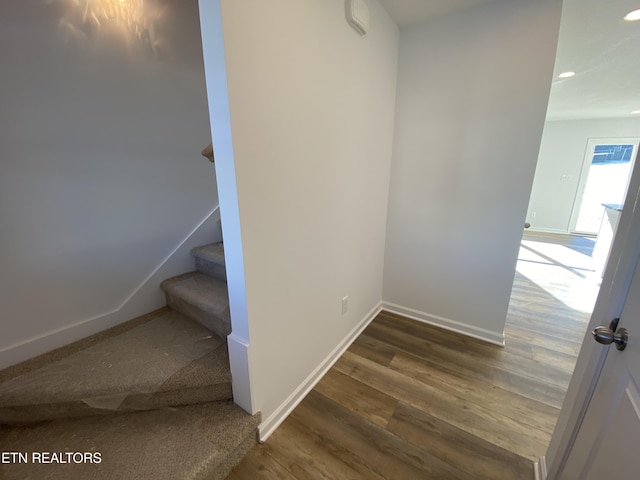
x=606 y=171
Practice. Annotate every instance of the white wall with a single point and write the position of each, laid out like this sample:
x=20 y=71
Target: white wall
x=101 y=176
x=311 y=106
x=472 y=93
x=560 y=164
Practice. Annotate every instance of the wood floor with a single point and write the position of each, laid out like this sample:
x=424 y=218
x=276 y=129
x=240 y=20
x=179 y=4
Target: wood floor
x=410 y=401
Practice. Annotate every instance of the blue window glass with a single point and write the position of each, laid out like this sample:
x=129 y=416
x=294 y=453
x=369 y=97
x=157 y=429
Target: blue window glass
x=605 y=154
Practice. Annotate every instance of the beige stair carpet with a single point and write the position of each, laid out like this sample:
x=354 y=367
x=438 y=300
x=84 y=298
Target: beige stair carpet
x=198 y=442
x=169 y=360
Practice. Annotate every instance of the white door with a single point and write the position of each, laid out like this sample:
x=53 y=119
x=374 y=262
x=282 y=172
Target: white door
x=598 y=432
x=608 y=442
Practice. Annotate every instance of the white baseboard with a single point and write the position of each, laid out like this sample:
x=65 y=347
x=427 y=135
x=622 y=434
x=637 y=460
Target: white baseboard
x=540 y=469
x=496 y=338
x=144 y=298
x=268 y=426
x=533 y=229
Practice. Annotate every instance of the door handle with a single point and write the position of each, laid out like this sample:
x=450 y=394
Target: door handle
x=607 y=336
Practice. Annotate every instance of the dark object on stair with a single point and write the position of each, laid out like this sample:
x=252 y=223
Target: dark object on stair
x=208 y=152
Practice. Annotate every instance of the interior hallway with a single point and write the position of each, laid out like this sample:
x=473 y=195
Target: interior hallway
x=408 y=400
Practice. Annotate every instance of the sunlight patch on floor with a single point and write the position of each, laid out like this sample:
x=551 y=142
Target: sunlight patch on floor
x=563 y=272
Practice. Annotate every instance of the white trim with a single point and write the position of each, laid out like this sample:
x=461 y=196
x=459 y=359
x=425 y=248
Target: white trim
x=240 y=373
x=540 y=469
x=144 y=298
x=212 y=33
x=547 y=230
x=268 y=426
x=446 y=323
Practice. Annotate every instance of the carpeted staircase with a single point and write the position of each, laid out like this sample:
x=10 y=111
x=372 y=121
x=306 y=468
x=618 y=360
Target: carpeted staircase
x=149 y=399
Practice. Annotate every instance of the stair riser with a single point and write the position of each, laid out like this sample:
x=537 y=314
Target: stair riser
x=219 y=325
x=30 y=414
x=211 y=269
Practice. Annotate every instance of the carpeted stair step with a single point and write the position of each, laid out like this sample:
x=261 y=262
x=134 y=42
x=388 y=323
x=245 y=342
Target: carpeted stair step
x=169 y=360
x=197 y=442
x=210 y=260
x=202 y=298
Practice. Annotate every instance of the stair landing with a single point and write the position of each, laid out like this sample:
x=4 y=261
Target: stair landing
x=168 y=361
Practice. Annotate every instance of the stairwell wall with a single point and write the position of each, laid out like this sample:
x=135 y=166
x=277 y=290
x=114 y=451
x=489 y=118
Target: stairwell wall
x=306 y=142
x=101 y=178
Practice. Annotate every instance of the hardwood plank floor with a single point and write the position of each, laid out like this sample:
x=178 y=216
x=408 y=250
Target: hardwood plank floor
x=411 y=401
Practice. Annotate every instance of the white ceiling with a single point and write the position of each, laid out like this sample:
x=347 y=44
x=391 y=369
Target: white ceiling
x=595 y=42
x=407 y=12
x=602 y=49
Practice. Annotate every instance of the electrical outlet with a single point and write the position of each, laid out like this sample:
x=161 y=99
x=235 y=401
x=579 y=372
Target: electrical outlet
x=345 y=304
x=566 y=178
